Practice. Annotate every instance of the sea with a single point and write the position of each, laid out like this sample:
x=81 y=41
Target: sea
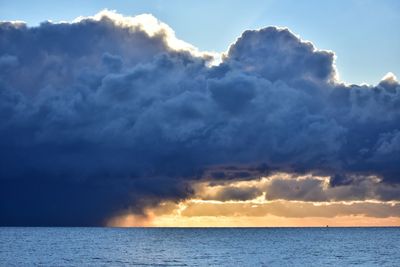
x=199 y=246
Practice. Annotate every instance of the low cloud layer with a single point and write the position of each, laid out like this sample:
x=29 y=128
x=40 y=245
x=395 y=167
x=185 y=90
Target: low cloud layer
x=112 y=114
x=292 y=209
x=305 y=188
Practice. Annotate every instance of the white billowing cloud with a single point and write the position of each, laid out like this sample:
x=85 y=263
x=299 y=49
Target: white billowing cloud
x=391 y=78
x=144 y=22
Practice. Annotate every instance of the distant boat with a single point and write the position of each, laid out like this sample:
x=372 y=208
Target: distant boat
x=327 y=226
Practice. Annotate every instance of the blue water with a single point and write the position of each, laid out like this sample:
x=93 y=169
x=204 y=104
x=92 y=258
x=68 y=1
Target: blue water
x=199 y=247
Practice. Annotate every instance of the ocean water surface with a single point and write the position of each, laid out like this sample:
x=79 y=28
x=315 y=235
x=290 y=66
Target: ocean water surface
x=199 y=246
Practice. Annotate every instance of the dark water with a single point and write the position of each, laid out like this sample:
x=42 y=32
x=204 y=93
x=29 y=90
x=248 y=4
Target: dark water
x=200 y=247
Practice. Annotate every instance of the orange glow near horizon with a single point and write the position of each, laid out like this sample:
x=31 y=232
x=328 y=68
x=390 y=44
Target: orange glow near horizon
x=256 y=203
x=195 y=214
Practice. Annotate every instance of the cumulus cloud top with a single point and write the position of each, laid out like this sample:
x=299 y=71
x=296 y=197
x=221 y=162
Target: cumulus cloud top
x=144 y=22
x=111 y=114
x=285 y=58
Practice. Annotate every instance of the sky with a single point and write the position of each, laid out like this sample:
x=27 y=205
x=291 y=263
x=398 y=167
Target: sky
x=152 y=117
x=363 y=33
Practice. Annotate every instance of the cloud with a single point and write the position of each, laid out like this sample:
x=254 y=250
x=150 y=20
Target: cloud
x=112 y=114
x=306 y=188
x=285 y=58
x=289 y=209
x=204 y=213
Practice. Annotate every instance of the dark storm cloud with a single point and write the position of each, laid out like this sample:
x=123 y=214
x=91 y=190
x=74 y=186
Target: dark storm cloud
x=233 y=193
x=102 y=116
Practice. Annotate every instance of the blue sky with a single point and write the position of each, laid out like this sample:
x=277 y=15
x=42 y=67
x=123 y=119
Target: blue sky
x=364 y=34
